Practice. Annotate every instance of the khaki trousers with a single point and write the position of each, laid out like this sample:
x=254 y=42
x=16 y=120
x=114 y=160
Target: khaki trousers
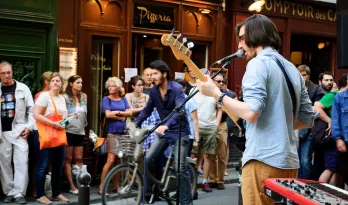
x=218 y=162
x=253 y=174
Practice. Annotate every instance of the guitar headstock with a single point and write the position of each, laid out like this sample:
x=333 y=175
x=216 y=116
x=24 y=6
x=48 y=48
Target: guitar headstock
x=180 y=51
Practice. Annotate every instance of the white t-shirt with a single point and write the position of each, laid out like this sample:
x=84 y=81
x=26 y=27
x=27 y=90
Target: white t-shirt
x=44 y=100
x=206 y=109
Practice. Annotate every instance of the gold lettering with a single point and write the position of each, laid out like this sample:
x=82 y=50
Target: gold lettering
x=286 y=6
x=293 y=8
x=278 y=3
x=305 y=10
x=299 y=7
x=329 y=15
x=152 y=17
x=268 y=5
x=310 y=11
x=142 y=9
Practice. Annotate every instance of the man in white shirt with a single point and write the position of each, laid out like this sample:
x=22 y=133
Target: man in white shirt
x=16 y=124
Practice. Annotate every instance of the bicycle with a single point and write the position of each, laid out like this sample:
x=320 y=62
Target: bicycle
x=124 y=183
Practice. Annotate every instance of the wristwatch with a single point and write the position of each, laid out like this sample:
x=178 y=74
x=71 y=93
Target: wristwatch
x=221 y=98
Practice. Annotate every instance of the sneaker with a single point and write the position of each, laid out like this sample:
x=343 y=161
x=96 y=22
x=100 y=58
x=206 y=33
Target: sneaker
x=200 y=173
x=20 y=200
x=8 y=199
x=220 y=186
x=206 y=188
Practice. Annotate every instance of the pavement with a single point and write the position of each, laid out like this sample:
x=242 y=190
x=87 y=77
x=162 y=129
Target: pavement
x=232 y=178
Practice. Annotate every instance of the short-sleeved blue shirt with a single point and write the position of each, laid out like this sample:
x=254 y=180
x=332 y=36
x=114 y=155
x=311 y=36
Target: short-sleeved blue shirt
x=115 y=126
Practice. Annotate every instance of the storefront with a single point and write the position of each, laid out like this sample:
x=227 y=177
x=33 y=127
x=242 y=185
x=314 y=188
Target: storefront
x=28 y=38
x=109 y=36
x=307 y=30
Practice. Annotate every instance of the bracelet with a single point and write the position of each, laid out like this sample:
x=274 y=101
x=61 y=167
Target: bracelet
x=219 y=102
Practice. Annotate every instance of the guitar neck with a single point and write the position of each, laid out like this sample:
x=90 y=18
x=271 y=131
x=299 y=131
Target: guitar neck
x=196 y=70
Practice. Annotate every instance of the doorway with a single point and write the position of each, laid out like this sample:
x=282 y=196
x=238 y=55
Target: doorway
x=104 y=64
x=314 y=51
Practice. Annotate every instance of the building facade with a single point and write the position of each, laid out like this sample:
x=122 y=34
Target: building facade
x=307 y=30
x=98 y=39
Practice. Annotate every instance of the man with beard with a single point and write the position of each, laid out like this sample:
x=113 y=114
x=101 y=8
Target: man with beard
x=271 y=144
x=305 y=150
x=325 y=149
x=165 y=96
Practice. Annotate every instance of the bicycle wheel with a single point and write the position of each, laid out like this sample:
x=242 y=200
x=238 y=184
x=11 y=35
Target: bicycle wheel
x=123 y=186
x=193 y=177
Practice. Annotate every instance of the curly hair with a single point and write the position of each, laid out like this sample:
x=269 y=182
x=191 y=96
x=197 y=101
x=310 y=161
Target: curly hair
x=118 y=84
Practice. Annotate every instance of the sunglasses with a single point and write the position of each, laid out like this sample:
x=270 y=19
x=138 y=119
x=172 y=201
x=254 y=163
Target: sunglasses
x=219 y=81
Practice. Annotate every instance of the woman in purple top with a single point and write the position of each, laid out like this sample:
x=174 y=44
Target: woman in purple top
x=116 y=109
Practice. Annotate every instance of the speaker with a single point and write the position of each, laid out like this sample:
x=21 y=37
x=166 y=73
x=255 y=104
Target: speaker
x=342 y=33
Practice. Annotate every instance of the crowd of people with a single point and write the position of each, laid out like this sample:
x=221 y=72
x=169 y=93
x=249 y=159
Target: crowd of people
x=204 y=133
x=273 y=149
x=19 y=114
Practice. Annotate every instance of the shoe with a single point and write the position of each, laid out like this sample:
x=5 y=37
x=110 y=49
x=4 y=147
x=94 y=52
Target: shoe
x=200 y=173
x=20 y=200
x=8 y=199
x=206 y=188
x=100 y=192
x=195 y=196
x=220 y=186
x=226 y=173
x=213 y=185
x=75 y=192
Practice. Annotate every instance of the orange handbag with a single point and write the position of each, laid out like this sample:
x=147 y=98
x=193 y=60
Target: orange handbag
x=50 y=137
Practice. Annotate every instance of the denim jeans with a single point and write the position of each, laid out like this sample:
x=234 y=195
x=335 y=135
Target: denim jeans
x=55 y=155
x=305 y=152
x=158 y=147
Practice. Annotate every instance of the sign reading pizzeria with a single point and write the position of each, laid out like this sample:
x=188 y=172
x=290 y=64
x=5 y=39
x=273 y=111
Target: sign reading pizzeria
x=155 y=17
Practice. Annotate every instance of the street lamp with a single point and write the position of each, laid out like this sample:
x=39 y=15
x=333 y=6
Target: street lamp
x=257 y=5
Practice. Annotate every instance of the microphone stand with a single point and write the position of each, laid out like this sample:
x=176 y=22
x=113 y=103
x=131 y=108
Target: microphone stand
x=179 y=110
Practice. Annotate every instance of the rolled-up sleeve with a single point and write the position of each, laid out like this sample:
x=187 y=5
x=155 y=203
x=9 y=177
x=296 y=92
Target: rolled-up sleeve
x=254 y=86
x=305 y=112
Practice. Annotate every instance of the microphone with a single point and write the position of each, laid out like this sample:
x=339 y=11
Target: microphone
x=238 y=54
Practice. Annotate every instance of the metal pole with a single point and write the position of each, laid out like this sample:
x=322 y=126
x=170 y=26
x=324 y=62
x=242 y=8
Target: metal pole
x=178 y=175
x=84 y=190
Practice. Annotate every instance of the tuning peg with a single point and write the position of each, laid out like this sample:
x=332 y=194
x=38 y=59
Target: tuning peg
x=176 y=40
x=184 y=40
x=189 y=45
x=170 y=36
